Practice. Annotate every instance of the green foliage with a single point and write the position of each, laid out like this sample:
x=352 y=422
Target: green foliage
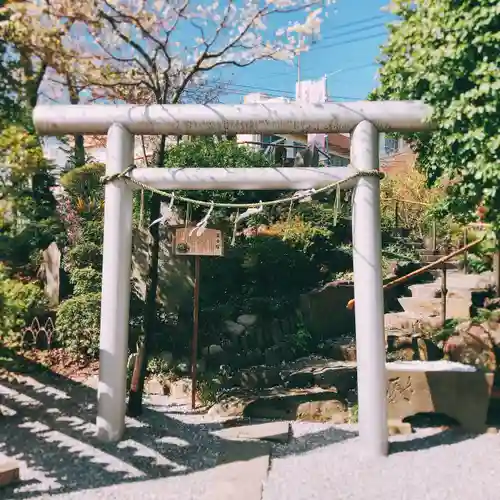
x=82 y=255
x=84 y=182
x=78 y=324
x=264 y=275
x=27 y=192
x=92 y=231
x=211 y=152
x=85 y=280
x=446 y=53
x=20 y=303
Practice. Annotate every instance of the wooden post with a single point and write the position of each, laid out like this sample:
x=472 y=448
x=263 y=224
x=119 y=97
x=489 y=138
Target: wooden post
x=444 y=293
x=466 y=253
x=434 y=236
x=194 y=352
x=496 y=267
x=396 y=214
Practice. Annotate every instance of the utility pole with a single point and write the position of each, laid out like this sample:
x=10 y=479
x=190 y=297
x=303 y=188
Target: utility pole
x=300 y=49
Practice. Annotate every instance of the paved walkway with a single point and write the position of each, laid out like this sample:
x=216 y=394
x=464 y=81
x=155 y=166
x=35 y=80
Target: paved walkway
x=171 y=454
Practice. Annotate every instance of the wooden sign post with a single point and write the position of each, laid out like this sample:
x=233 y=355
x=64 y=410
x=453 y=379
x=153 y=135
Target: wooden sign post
x=207 y=244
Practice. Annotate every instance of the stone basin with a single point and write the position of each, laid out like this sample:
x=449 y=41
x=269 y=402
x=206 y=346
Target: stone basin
x=459 y=391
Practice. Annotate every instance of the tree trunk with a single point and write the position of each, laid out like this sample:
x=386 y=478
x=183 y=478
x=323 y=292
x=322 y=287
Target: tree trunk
x=79 y=149
x=496 y=265
x=135 y=397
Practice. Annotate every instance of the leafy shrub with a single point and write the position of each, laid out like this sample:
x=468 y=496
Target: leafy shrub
x=20 y=303
x=78 y=324
x=86 y=280
x=85 y=254
x=84 y=182
x=408 y=185
x=93 y=231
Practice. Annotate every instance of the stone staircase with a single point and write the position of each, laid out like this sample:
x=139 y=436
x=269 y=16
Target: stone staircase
x=425 y=304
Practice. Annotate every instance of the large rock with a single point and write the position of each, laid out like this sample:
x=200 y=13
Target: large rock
x=235 y=329
x=338 y=375
x=428 y=388
x=341 y=349
x=325 y=310
x=281 y=404
x=156 y=387
x=247 y=319
x=257 y=377
x=333 y=411
x=472 y=345
x=212 y=350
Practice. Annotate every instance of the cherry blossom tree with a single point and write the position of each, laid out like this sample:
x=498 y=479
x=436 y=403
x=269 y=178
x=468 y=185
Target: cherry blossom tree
x=162 y=52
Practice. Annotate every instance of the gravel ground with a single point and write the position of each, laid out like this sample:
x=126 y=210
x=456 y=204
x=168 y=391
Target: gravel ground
x=430 y=465
x=172 y=454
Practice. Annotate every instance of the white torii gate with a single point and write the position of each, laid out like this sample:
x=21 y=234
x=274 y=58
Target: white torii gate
x=364 y=120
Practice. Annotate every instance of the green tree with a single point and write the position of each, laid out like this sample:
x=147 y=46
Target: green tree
x=446 y=53
x=30 y=221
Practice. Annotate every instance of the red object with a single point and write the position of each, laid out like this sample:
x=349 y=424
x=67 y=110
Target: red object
x=481 y=212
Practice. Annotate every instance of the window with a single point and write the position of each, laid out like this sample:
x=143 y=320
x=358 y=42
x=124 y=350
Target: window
x=391 y=145
x=338 y=161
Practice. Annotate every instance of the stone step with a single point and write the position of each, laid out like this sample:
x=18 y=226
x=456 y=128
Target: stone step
x=431 y=291
x=400 y=323
x=455 y=307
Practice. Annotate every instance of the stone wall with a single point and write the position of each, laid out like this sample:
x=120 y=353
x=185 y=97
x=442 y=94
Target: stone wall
x=175 y=273
x=324 y=310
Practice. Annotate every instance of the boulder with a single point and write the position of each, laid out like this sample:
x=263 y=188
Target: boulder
x=257 y=377
x=341 y=376
x=212 y=350
x=333 y=411
x=472 y=345
x=235 y=329
x=156 y=387
x=492 y=304
x=180 y=389
x=284 y=404
x=247 y=319
x=300 y=379
x=183 y=368
x=341 y=350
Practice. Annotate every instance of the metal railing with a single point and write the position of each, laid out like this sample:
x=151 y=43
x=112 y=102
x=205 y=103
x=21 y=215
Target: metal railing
x=440 y=262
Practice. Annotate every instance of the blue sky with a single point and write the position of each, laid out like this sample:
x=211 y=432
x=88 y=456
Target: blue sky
x=350 y=40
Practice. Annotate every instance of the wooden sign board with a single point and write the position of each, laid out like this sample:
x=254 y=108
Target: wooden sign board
x=209 y=243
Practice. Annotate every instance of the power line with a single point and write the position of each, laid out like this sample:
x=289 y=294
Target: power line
x=346 y=70
x=360 y=21
x=347 y=42
x=350 y=32
x=280 y=92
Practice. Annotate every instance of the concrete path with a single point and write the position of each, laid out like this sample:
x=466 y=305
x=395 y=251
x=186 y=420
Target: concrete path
x=172 y=454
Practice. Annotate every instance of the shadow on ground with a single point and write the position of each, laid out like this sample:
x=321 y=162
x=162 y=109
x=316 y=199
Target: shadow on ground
x=50 y=427
x=446 y=437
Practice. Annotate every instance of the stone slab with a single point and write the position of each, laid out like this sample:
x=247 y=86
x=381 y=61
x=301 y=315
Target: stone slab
x=461 y=395
x=242 y=469
x=271 y=431
x=9 y=472
x=455 y=307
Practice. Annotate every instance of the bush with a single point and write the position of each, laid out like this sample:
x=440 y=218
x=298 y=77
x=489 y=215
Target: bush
x=84 y=182
x=85 y=254
x=86 y=280
x=20 y=303
x=78 y=324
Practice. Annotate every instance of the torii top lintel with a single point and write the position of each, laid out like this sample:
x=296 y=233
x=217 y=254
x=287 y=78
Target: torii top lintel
x=262 y=118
